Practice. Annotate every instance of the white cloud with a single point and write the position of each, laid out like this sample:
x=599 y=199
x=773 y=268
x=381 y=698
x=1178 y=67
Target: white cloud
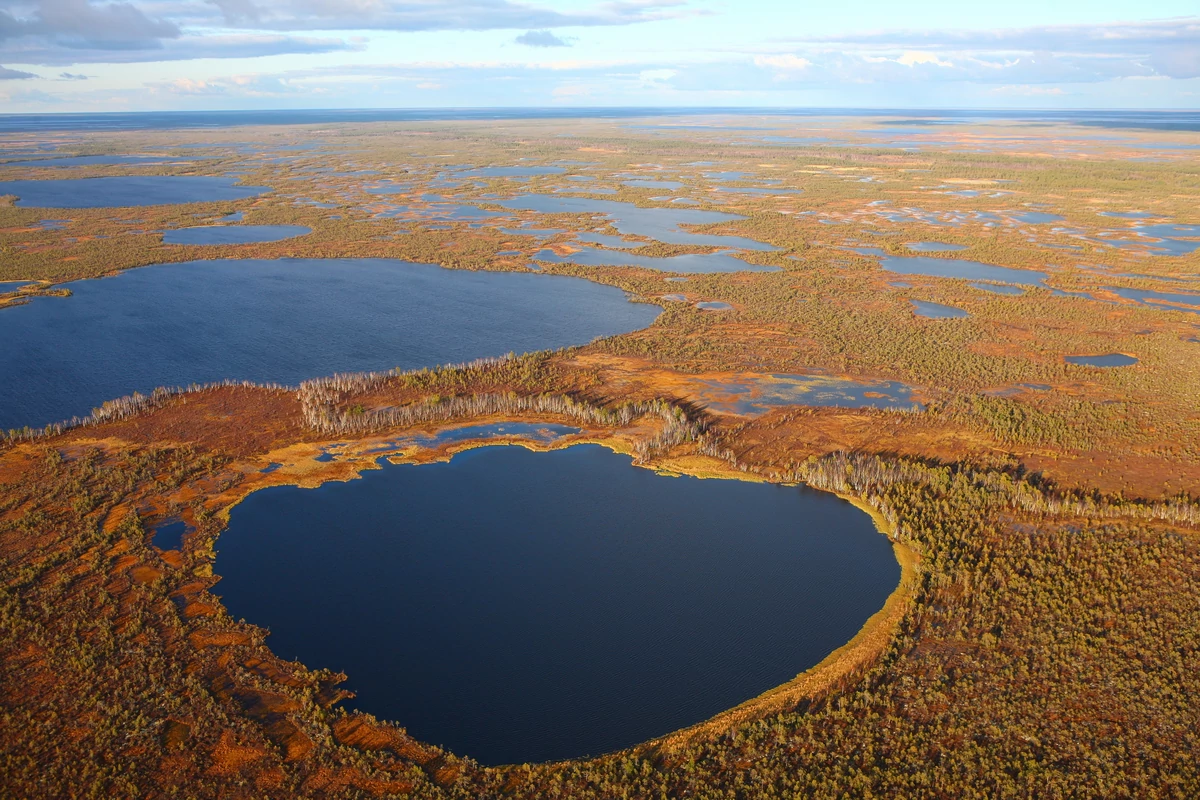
x=912 y=57
x=784 y=62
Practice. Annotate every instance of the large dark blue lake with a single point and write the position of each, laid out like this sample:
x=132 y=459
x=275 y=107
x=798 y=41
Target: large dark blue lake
x=281 y=320
x=517 y=606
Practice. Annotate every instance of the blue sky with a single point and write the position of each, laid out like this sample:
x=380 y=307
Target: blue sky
x=92 y=55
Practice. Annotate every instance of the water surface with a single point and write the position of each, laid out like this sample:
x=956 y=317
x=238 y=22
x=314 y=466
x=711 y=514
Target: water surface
x=924 y=308
x=660 y=224
x=953 y=268
x=757 y=393
x=518 y=606
x=1106 y=360
x=281 y=320
x=95 y=161
x=127 y=190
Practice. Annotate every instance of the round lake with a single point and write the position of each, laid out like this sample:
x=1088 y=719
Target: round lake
x=282 y=320
x=517 y=606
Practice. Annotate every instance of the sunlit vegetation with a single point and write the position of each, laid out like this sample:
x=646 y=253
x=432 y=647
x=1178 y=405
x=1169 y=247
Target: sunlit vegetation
x=1052 y=639
x=1048 y=646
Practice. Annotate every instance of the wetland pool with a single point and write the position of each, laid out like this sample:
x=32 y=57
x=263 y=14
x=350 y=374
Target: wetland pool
x=1105 y=360
x=929 y=310
x=516 y=606
x=659 y=224
x=281 y=320
x=932 y=267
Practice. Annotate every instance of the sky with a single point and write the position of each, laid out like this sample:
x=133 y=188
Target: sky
x=149 y=55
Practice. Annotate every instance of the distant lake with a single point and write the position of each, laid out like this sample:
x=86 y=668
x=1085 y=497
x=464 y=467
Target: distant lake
x=281 y=320
x=517 y=606
x=127 y=190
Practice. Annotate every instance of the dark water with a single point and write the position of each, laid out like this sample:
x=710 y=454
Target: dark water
x=281 y=320
x=126 y=191
x=1106 y=360
x=234 y=234
x=518 y=606
x=169 y=535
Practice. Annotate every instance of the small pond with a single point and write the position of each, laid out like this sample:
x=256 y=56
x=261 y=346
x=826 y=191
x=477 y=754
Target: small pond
x=1106 y=360
x=517 y=606
x=1034 y=217
x=127 y=190
x=758 y=393
x=953 y=268
x=652 y=184
x=924 y=308
x=169 y=535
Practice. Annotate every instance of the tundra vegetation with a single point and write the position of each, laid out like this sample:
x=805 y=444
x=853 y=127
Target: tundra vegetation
x=1046 y=640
